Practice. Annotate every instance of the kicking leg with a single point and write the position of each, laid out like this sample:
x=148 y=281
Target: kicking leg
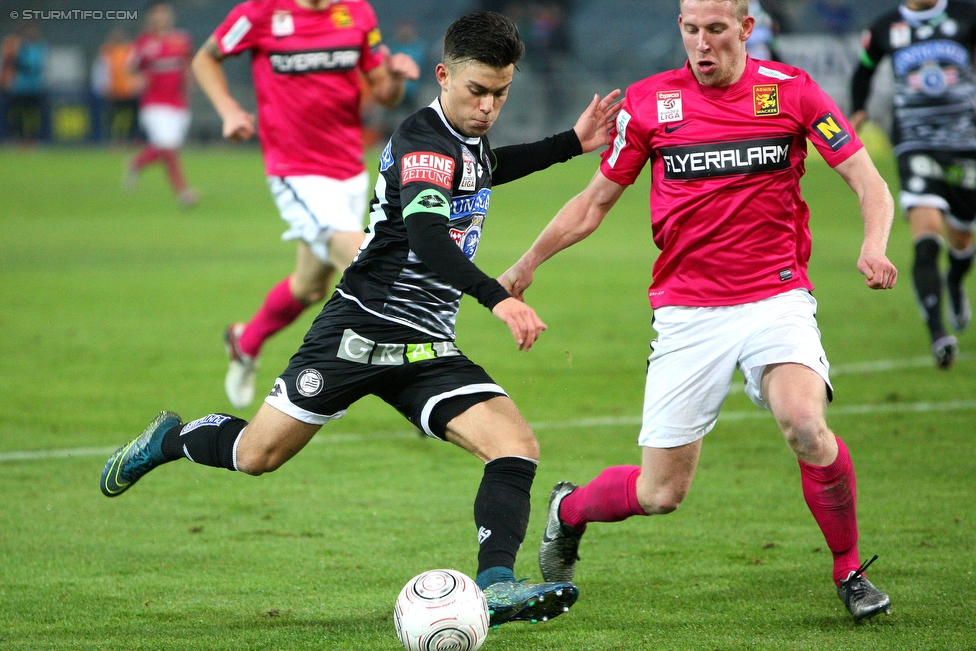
x=495 y=432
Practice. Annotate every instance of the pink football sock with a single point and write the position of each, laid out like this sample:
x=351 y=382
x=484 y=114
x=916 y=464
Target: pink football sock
x=148 y=155
x=173 y=169
x=831 y=493
x=610 y=497
x=280 y=308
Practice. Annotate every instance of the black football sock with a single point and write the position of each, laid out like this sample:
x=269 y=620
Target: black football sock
x=959 y=264
x=210 y=441
x=501 y=510
x=928 y=283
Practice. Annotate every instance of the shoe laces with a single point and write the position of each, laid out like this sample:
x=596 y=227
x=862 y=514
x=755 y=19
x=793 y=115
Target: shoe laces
x=858 y=574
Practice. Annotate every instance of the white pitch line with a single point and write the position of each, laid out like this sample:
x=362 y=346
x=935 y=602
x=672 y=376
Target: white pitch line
x=880 y=365
x=579 y=423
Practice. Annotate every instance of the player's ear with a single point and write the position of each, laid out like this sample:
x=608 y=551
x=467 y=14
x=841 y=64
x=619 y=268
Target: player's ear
x=748 y=24
x=443 y=74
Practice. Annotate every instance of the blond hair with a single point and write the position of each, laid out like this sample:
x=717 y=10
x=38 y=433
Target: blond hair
x=740 y=8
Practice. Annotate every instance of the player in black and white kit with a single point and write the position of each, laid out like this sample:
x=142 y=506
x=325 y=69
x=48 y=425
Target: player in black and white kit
x=389 y=328
x=931 y=44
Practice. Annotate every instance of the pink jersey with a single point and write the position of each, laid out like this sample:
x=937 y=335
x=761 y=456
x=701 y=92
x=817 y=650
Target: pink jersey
x=726 y=163
x=164 y=60
x=306 y=66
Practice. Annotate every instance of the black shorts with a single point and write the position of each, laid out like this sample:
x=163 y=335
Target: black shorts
x=940 y=179
x=348 y=354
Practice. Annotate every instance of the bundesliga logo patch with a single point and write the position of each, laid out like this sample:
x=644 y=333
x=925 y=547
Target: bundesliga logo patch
x=766 y=98
x=669 y=106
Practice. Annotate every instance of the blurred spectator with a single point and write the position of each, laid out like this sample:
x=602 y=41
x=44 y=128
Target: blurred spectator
x=162 y=58
x=406 y=41
x=761 y=45
x=114 y=79
x=836 y=16
x=22 y=66
x=547 y=45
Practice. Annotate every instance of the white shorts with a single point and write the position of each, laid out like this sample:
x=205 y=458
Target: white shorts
x=689 y=372
x=317 y=206
x=165 y=126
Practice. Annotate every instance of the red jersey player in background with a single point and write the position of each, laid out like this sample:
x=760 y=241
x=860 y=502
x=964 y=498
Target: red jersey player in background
x=306 y=60
x=726 y=138
x=163 y=60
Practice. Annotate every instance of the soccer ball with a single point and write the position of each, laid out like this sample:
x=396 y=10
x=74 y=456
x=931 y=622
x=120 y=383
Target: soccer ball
x=441 y=610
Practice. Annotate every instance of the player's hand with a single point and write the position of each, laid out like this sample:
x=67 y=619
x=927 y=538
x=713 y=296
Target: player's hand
x=879 y=272
x=594 y=125
x=239 y=125
x=516 y=280
x=400 y=65
x=525 y=324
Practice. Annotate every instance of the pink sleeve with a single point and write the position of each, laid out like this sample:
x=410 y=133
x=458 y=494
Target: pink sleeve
x=827 y=127
x=370 y=55
x=624 y=160
x=238 y=32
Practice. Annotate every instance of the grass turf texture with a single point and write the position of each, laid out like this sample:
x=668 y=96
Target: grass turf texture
x=113 y=307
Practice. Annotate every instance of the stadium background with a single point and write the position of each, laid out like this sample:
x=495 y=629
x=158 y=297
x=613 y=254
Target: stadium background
x=574 y=48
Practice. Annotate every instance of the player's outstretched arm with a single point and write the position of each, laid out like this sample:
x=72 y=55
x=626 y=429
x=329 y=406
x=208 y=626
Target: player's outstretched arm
x=575 y=221
x=877 y=213
x=387 y=81
x=238 y=124
x=594 y=125
x=525 y=324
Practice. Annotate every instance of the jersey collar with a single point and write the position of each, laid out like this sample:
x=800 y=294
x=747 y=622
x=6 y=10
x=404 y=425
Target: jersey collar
x=436 y=105
x=919 y=17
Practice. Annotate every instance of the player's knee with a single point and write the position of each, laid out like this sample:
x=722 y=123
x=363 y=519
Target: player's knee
x=659 y=500
x=805 y=433
x=258 y=461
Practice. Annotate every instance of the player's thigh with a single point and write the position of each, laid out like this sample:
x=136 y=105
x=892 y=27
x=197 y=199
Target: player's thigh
x=270 y=439
x=784 y=331
x=432 y=392
x=493 y=429
x=330 y=371
x=689 y=373
x=165 y=126
x=311 y=275
x=316 y=207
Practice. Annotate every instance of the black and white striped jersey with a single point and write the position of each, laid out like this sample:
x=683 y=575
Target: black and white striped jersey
x=935 y=88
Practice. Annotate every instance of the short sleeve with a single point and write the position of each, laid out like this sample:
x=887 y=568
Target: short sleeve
x=624 y=160
x=238 y=32
x=827 y=127
x=370 y=54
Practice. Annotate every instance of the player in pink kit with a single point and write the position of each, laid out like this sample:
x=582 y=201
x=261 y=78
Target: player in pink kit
x=163 y=60
x=726 y=139
x=306 y=60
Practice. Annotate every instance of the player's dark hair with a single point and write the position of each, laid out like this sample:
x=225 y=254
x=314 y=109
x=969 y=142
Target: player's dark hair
x=487 y=37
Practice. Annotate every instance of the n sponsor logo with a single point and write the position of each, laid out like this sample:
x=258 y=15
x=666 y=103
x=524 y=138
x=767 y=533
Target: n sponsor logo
x=427 y=167
x=300 y=63
x=727 y=158
x=831 y=133
x=766 y=99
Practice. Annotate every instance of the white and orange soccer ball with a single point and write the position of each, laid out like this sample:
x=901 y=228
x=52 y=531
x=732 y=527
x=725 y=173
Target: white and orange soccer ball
x=441 y=610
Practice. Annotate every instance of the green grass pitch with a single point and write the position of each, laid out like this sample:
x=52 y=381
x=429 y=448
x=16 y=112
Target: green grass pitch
x=112 y=307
